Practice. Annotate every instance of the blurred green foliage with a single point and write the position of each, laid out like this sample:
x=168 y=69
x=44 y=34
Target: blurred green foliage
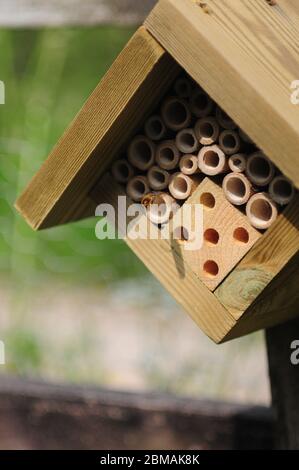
x=48 y=75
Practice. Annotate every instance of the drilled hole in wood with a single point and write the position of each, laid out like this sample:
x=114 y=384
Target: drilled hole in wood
x=208 y=200
x=211 y=236
x=241 y=235
x=211 y=268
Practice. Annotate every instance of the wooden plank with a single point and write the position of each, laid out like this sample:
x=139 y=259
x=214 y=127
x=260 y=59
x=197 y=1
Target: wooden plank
x=277 y=304
x=284 y=377
x=245 y=55
x=40 y=415
x=169 y=268
x=45 y=13
x=136 y=81
x=262 y=264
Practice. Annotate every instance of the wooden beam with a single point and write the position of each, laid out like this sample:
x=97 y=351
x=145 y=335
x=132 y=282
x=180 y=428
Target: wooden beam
x=245 y=55
x=55 y=13
x=284 y=383
x=39 y=416
x=136 y=81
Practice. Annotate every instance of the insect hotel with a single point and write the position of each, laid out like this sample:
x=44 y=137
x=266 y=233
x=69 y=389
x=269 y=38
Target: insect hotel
x=197 y=109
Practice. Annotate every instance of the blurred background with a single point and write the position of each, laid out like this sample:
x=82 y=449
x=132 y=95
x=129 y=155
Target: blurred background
x=74 y=309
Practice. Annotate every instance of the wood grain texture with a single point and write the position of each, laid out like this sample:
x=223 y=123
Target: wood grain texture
x=262 y=264
x=170 y=269
x=277 y=304
x=136 y=81
x=45 y=13
x=222 y=220
x=245 y=55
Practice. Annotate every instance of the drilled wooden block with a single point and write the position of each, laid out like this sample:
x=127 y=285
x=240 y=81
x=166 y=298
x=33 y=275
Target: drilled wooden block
x=227 y=236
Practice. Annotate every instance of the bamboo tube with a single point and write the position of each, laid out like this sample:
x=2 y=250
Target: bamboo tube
x=189 y=164
x=224 y=120
x=260 y=169
x=230 y=142
x=137 y=188
x=183 y=87
x=212 y=161
x=237 y=188
x=281 y=190
x=261 y=211
x=245 y=137
x=207 y=130
x=158 y=178
x=201 y=104
x=176 y=114
x=182 y=186
x=238 y=163
x=141 y=153
x=122 y=171
x=186 y=141
x=167 y=155
x=160 y=207
x=155 y=128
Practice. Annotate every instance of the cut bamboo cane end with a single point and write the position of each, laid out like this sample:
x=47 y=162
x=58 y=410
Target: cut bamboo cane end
x=189 y=164
x=282 y=190
x=176 y=114
x=183 y=87
x=186 y=141
x=141 y=153
x=261 y=211
x=155 y=128
x=182 y=186
x=158 y=178
x=212 y=161
x=260 y=170
x=168 y=155
x=238 y=163
x=230 y=142
x=160 y=207
x=137 y=188
x=237 y=188
x=207 y=130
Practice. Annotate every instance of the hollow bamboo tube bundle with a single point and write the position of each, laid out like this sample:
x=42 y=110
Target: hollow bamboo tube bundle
x=155 y=128
x=230 y=142
x=122 y=171
x=176 y=114
x=189 y=164
x=207 y=130
x=201 y=104
x=261 y=211
x=183 y=87
x=182 y=186
x=237 y=188
x=260 y=170
x=225 y=120
x=281 y=190
x=212 y=161
x=141 y=153
x=160 y=207
x=186 y=141
x=167 y=155
x=238 y=163
x=158 y=178
x=137 y=188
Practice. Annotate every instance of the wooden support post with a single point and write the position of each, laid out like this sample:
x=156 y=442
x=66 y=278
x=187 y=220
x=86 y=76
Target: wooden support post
x=284 y=378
